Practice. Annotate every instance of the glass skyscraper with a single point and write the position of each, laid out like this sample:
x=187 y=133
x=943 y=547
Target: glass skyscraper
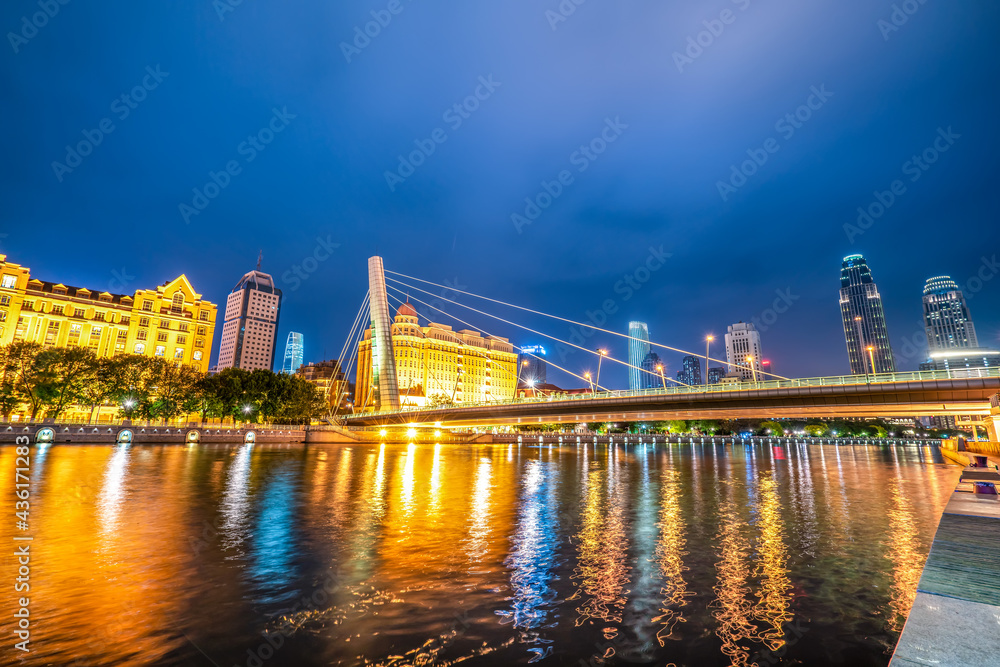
x=651 y=368
x=638 y=348
x=293 y=353
x=864 y=319
x=946 y=316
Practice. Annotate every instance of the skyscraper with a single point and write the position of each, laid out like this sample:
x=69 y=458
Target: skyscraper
x=864 y=319
x=532 y=365
x=715 y=374
x=653 y=367
x=638 y=348
x=742 y=341
x=690 y=372
x=249 y=330
x=946 y=316
x=293 y=353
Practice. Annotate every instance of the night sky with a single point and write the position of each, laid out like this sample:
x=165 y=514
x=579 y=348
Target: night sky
x=340 y=109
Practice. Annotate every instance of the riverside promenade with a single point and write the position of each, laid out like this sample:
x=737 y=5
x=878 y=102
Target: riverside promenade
x=955 y=618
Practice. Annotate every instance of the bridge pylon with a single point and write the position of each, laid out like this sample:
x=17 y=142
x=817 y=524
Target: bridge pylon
x=383 y=356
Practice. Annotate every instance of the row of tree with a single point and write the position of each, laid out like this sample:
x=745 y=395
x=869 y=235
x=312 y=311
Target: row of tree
x=47 y=381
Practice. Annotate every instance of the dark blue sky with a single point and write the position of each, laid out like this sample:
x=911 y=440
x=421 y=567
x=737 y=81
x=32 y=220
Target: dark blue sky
x=679 y=127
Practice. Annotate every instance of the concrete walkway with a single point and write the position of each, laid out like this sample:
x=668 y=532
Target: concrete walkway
x=955 y=619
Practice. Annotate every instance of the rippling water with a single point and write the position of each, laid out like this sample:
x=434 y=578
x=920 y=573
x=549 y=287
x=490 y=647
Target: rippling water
x=403 y=554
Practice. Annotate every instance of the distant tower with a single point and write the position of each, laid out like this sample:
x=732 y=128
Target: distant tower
x=652 y=378
x=250 y=327
x=690 y=372
x=638 y=348
x=531 y=363
x=293 y=353
x=946 y=316
x=384 y=378
x=864 y=319
x=742 y=341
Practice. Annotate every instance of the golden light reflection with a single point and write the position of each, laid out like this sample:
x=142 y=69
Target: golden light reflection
x=435 y=491
x=907 y=558
x=669 y=555
x=480 y=528
x=109 y=503
x=235 y=502
x=733 y=610
x=772 y=568
x=406 y=488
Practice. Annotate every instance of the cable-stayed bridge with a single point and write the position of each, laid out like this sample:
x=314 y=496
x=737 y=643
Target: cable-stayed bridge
x=918 y=393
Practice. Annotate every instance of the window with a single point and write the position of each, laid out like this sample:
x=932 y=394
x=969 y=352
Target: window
x=203 y=316
x=178 y=353
x=197 y=355
x=143 y=321
x=177 y=303
x=181 y=340
x=183 y=326
x=147 y=305
x=160 y=350
x=99 y=316
x=5 y=300
x=28 y=305
x=125 y=320
x=161 y=337
x=9 y=281
x=199 y=342
x=57 y=310
x=141 y=335
x=140 y=348
x=122 y=334
x=164 y=324
x=201 y=331
x=78 y=312
x=95 y=336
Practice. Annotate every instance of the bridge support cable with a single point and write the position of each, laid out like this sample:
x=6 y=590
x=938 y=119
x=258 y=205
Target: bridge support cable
x=357 y=331
x=534 y=331
x=487 y=333
x=568 y=321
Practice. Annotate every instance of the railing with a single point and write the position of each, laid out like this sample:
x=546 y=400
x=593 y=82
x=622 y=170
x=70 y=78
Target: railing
x=840 y=380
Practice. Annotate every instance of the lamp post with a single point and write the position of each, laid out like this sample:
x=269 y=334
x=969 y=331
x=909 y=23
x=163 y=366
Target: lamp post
x=753 y=369
x=603 y=354
x=708 y=341
x=871 y=355
x=659 y=367
x=587 y=375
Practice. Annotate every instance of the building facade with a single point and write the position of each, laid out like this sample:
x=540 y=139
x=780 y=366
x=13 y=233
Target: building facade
x=864 y=319
x=742 y=341
x=436 y=365
x=330 y=378
x=946 y=316
x=715 y=374
x=171 y=321
x=638 y=348
x=690 y=372
x=250 y=325
x=652 y=377
x=294 y=350
x=531 y=363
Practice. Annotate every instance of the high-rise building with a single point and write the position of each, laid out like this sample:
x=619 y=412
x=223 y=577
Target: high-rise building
x=742 y=341
x=294 y=350
x=435 y=365
x=250 y=327
x=531 y=365
x=864 y=319
x=946 y=316
x=715 y=374
x=329 y=377
x=171 y=321
x=638 y=348
x=652 y=378
x=690 y=372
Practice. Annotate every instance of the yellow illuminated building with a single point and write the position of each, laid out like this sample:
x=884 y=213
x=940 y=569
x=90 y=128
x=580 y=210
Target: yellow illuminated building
x=435 y=364
x=171 y=321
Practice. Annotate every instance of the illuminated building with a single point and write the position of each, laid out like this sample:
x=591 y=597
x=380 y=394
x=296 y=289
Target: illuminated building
x=250 y=328
x=715 y=374
x=171 y=321
x=946 y=316
x=742 y=341
x=532 y=364
x=652 y=378
x=638 y=348
x=293 y=353
x=690 y=372
x=864 y=319
x=435 y=364
x=329 y=377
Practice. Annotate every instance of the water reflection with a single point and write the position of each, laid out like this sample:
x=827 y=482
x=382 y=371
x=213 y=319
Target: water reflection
x=235 y=503
x=109 y=503
x=479 y=512
x=907 y=558
x=271 y=551
x=670 y=557
x=772 y=569
x=733 y=610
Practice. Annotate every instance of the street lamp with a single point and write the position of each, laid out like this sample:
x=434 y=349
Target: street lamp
x=587 y=376
x=753 y=369
x=659 y=367
x=871 y=355
x=603 y=354
x=708 y=341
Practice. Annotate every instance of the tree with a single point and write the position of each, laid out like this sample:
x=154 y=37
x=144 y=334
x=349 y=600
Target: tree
x=27 y=374
x=815 y=430
x=677 y=426
x=773 y=428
